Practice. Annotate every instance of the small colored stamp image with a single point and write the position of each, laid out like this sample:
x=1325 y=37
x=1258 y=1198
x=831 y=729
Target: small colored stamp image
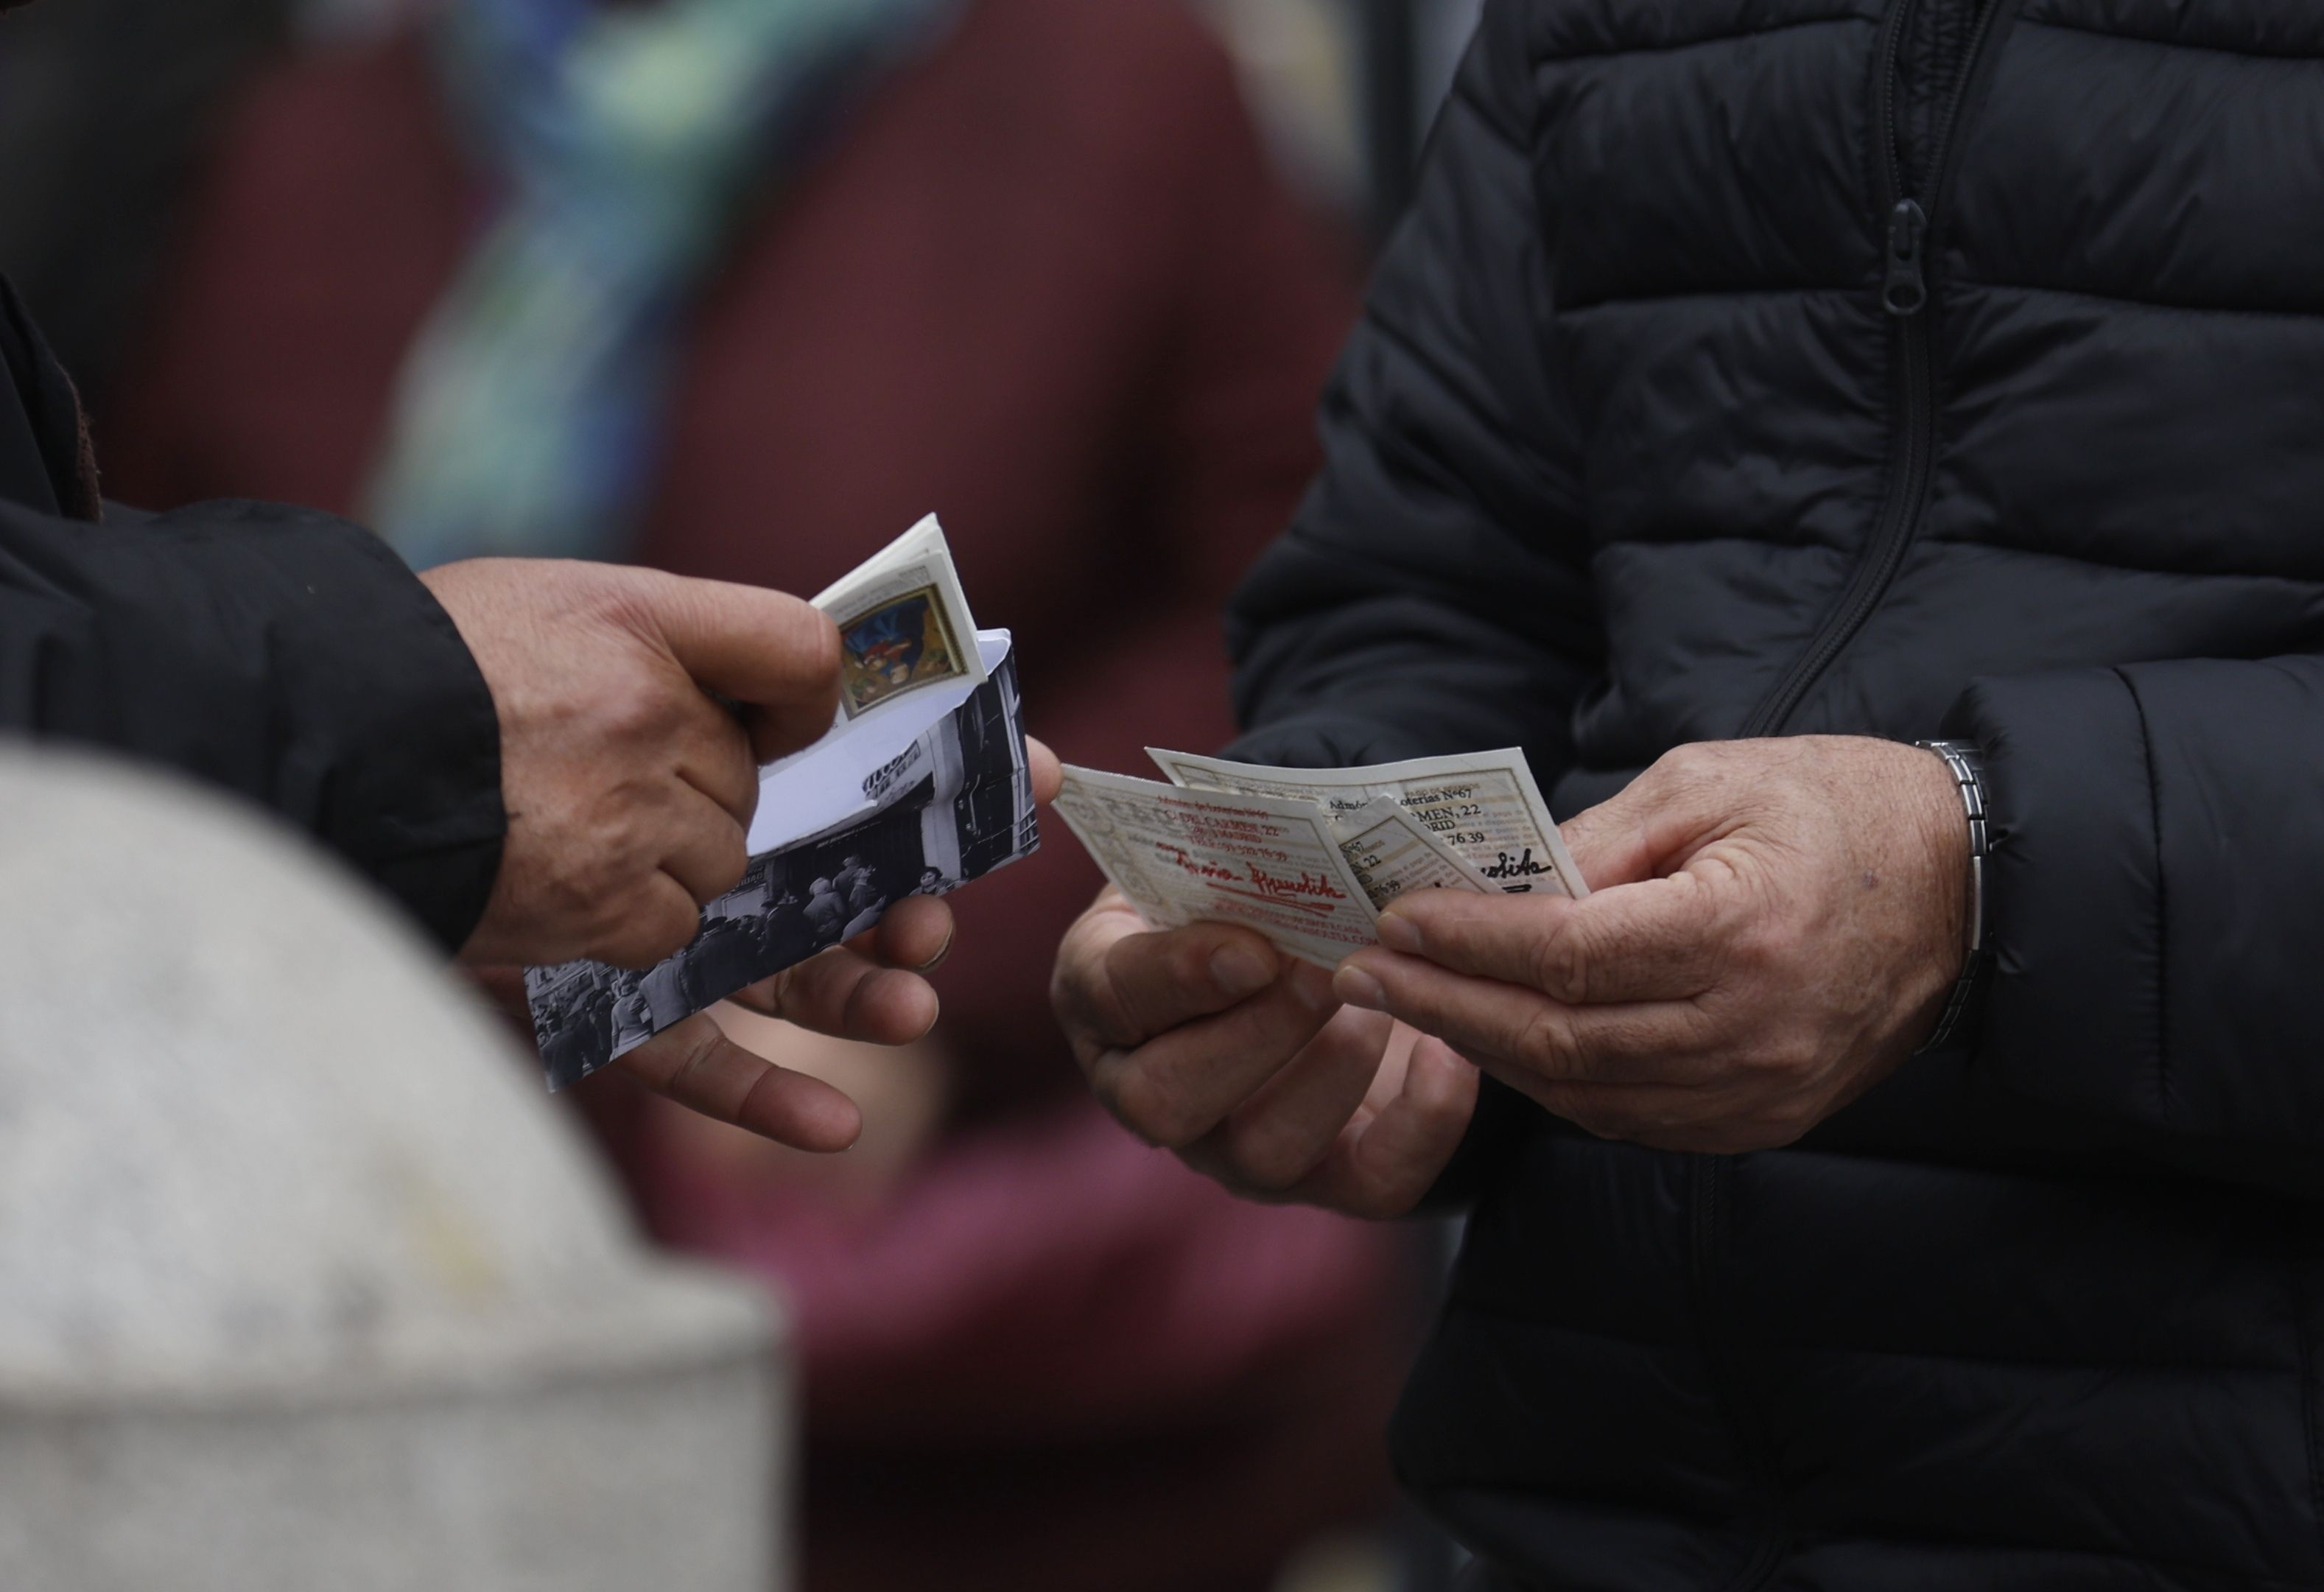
x=899 y=646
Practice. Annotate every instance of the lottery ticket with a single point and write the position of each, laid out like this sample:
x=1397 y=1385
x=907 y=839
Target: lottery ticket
x=1184 y=855
x=1483 y=805
x=1391 y=852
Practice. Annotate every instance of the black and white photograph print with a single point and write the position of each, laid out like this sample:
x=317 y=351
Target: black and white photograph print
x=967 y=809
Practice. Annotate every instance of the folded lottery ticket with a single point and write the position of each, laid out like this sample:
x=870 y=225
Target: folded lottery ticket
x=1391 y=851
x=1309 y=857
x=922 y=785
x=1483 y=805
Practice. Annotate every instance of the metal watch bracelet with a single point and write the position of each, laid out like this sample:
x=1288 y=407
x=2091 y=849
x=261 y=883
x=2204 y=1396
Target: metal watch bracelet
x=1969 y=774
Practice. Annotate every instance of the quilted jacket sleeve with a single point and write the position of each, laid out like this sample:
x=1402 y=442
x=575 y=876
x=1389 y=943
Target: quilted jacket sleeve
x=2156 y=905
x=1432 y=593
x=279 y=654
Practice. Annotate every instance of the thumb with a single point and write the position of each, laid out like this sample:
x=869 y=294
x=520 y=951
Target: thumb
x=1645 y=830
x=1612 y=843
x=766 y=650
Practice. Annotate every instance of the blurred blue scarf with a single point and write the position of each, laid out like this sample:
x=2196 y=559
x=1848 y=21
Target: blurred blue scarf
x=628 y=140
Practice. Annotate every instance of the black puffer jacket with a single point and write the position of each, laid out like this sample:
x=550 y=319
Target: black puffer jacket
x=1670 y=422
x=276 y=653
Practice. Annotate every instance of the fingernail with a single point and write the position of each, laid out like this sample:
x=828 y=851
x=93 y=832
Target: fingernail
x=1399 y=933
x=1240 y=972
x=938 y=960
x=1357 y=987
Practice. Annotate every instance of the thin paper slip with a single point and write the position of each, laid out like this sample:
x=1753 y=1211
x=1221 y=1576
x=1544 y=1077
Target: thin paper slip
x=1392 y=853
x=903 y=621
x=1182 y=857
x=1484 y=805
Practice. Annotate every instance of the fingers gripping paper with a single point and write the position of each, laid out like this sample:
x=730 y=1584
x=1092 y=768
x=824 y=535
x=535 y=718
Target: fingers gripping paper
x=1308 y=857
x=922 y=785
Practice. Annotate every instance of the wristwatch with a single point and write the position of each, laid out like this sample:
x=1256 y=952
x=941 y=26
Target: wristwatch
x=1967 y=768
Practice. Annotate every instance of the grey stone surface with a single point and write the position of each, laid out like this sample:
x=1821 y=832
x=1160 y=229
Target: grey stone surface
x=304 y=1284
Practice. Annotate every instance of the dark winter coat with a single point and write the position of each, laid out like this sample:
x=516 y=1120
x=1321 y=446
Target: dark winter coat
x=1776 y=367
x=280 y=653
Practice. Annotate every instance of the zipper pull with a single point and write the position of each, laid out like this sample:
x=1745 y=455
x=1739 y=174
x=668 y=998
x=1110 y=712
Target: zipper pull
x=1906 y=291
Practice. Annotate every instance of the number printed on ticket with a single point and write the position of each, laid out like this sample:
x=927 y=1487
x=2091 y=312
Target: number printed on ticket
x=1391 y=852
x=1484 y=805
x=1186 y=855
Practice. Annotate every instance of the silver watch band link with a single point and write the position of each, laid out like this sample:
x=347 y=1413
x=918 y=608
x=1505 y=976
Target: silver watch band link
x=1967 y=771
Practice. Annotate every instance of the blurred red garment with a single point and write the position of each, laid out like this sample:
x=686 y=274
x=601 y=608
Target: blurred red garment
x=1047 y=286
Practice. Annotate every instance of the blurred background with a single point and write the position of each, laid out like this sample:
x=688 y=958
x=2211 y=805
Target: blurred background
x=741 y=288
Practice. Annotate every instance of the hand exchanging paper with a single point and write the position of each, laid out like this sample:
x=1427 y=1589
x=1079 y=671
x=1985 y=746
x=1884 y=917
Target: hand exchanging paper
x=1774 y=925
x=1206 y=1040
x=635 y=708
x=628 y=787
x=871 y=988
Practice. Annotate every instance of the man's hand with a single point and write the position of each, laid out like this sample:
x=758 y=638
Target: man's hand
x=872 y=988
x=1775 y=926
x=629 y=787
x=1204 y=1040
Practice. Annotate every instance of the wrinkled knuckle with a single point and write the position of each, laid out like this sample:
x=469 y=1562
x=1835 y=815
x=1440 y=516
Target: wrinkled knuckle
x=1687 y=764
x=1763 y=946
x=1543 y=1045
x=690 y=1056
x=1702 y=1023
x=668 y=930
x=731 y=859
x=611 y=915
x=634 y=710
x=1561 y=964
x=633 y=598
x=582 y=897
x=1790 y=1059
x=1680 y=759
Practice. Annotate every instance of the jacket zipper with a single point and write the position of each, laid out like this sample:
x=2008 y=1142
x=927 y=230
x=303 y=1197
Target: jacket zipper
x=1904 y=295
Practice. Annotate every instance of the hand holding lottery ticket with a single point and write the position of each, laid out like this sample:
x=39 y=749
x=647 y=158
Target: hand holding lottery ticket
x=1196 y=992
x=923 y=783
